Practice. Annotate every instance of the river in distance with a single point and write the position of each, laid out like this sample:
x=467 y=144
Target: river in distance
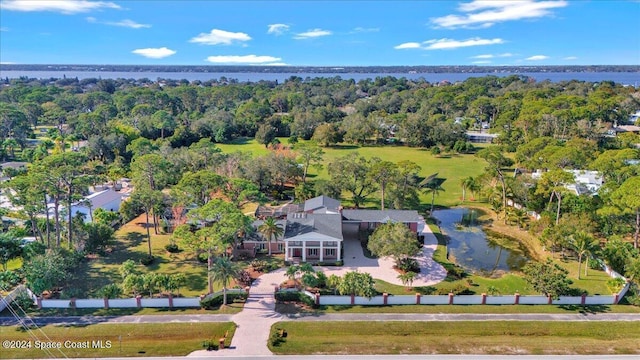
x=624 y=78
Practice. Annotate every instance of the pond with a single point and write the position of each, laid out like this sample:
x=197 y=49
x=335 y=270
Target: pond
x=474 y=249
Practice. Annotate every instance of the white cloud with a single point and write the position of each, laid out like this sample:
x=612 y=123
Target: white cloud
x=481 y=62
x=491 y=56
x=7 y=63
x=243 y=59
x=485 y=56
x=441 y=44
x=277 y=29
x=217 y=36
x=123 y=23
x=570 y=58
x=409 y=45
x=537 y=58
x=4 y=29
x=61 y=6
x=154 y=53
x=486 y=13
x=359 y=29
x=314 y=33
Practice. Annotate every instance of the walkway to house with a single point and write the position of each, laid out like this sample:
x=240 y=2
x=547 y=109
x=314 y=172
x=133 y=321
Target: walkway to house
x=255 y=320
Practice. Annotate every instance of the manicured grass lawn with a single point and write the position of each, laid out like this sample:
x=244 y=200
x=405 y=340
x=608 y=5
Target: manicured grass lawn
x=132 y=244
x=462 y=309
x=232 y=308
x=179 y=339
x=482 y=337
x=453 y=168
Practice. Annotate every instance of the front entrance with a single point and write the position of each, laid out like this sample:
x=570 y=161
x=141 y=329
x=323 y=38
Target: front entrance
x=297 y=252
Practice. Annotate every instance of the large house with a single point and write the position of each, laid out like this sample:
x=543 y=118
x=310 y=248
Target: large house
x=314 y=231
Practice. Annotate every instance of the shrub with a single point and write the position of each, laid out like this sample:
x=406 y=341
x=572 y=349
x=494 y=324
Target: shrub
x=277 y=337
x=457 y=289
x=295 y=296
x=615 y=284
x=9 y=279
x=172 y=248
x=244 y=278
x=22 y=301
x=595 y=264
x=214 y=302
x=456 y=272
x=408 y=264
x=259 y=265
x=146 y=260
x=203 y=258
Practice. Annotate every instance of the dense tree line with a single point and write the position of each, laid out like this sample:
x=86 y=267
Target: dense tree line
x=163 y=135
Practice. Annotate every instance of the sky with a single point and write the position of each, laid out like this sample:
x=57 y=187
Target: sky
x=321 y=33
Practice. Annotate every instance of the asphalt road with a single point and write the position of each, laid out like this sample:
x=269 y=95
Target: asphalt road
x=166 y=319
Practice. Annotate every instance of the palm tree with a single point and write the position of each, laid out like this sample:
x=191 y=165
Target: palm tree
x=584 y=245
x=223 y=270
x=270 y=229
x=407 y=278
x=434 y=187
x=466 y=183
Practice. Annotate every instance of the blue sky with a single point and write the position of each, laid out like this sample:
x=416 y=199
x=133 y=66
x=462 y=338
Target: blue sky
x=321 y=33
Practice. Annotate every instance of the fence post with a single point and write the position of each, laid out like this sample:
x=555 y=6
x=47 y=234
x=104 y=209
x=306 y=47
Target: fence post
x=170 y=301
x=583 y=301
x=201 y=298
x=549 y=300
x=517 y=299
x=138 y=301
x=384 y=298
x=39 y=302
x=106 y=302
x=317 y=299
x=616 y=299
x=72 y=303
x=418 y=296
x=450 y=298
x=484 y=299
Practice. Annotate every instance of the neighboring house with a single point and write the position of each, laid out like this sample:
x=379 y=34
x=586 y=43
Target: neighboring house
x=108 y=200
x=481 y=137
x=7 y=169
x=315 y=234
x=633 y=118
x=586 y=182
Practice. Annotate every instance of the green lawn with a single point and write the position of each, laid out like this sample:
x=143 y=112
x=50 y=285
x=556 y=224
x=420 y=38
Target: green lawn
x=453 y=168
x=126 y=340
x=460 y=309
x=132 y=244
x=482 y=337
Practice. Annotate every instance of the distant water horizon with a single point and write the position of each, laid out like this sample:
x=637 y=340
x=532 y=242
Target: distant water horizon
x=624 y=78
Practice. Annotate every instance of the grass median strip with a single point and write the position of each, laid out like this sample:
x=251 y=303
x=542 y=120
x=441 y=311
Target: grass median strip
x=111 y=340
x=485 y=337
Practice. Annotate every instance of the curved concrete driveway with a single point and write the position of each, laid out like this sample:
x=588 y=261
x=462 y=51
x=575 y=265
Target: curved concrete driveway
x=354 y=260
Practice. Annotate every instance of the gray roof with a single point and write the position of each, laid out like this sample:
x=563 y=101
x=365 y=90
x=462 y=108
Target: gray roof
x=320 y=202
x=325 y=224
x=381 y=216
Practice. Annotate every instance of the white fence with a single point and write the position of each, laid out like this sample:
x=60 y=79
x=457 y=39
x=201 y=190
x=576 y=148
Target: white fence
x=465 y=300
x=137 y=302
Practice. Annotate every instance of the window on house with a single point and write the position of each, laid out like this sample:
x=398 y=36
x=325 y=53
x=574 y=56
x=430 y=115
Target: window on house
x=329 y=252
x=313 y=252
x=280 y=247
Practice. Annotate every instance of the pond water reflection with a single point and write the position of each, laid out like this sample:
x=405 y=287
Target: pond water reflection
x=475 y=250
